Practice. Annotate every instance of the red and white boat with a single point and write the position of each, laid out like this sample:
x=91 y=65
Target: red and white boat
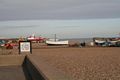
x=35 y=39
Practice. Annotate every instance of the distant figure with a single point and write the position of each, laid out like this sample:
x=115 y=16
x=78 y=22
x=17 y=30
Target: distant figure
x=82 y=44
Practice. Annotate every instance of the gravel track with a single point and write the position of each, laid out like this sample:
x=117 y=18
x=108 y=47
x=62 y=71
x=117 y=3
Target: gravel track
x=84 y=63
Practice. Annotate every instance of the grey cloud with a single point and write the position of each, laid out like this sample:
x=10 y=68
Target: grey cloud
x=59 y=9
x=17 y=27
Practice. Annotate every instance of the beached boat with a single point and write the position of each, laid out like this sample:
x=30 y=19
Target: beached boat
x=57 y=42
x=33 y=38
x=100 y=41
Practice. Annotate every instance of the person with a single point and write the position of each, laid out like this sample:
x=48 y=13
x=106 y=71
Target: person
x=82 y=44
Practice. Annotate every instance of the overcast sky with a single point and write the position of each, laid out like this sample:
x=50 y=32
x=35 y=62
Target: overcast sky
x=58 y=9
x=63 y=28
x=48 y=17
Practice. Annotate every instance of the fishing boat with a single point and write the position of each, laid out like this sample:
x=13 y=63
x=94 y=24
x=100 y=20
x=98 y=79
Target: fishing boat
x=33 y=38
x=56 y=41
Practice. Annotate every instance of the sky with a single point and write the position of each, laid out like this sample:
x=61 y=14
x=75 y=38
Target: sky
x=66 y=18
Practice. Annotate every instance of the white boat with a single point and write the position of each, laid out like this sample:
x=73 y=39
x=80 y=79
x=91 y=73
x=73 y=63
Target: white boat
x=57 y=42
x=100 y=41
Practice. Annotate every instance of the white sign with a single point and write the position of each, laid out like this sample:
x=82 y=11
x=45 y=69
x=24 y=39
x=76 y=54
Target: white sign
x=25 y=46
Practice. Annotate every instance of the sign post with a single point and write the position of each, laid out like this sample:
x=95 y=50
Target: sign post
x=25 y=46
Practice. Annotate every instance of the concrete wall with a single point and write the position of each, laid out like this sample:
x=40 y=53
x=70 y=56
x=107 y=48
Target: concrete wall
x=33 y=72
x=29 y=69
x=32 y=68
x=46 y=70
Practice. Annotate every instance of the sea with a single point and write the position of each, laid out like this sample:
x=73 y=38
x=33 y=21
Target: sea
x=81 y=40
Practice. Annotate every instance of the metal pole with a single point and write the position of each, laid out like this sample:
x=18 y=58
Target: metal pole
x=55 y=37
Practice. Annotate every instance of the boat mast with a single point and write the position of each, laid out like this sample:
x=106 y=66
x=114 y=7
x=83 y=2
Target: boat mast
x=55 y=37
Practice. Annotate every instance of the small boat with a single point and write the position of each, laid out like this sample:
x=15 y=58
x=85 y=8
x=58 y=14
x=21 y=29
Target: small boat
x=57 y=42
x=100 y=41
x=35 y=39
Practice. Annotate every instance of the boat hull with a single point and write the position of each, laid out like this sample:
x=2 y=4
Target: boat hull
x=57 y=42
